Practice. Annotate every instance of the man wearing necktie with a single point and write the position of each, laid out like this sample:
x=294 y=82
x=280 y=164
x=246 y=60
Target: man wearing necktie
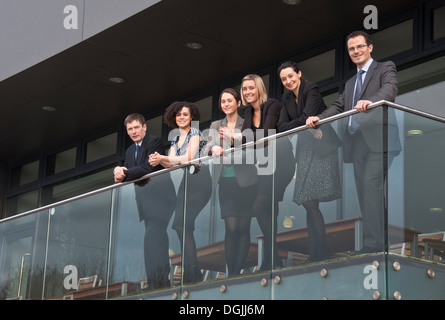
x=363 y=133
x=155 y=198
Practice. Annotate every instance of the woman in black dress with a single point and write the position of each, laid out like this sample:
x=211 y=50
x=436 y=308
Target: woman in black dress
x=317 y=177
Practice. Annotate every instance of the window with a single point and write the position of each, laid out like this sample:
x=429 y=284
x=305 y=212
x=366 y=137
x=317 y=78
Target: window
x=154 y=126
x=439 y=23
x=330 y=98
x=61 y=161
x=393 y=40
x=25 y=174
x=320 y=67
x=423 y=86
x=77 y=185
x=205 y=107
x=102 y=147
x=22 y=203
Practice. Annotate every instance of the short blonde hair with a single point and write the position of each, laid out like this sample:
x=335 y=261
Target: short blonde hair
x=259 y=84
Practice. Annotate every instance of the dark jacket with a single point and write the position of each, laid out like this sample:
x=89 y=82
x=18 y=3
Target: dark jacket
x=140 y=167
x=310 y=103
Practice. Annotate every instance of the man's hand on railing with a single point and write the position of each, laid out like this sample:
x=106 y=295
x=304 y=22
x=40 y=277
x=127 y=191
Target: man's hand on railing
x=362 y=105
x=119 y=174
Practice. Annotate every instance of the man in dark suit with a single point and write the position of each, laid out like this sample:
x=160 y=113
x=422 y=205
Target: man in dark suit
x=155 y=198
x=363 y=142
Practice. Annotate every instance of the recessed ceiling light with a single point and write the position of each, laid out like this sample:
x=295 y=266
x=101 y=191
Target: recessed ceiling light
x=194 y=45
x=116 y=80
x=435 y=209
x=49 y=108
x=292 y=2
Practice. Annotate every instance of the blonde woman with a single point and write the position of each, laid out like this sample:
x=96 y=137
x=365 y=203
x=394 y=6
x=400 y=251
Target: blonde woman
x=261 y=117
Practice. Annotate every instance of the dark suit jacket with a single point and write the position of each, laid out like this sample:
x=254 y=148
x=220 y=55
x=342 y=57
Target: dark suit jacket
x=156 y=197
x=270 y=113
x=380 y=84
x=246 y=174
x=140 y=167
x=284 y=155
x=310 y=103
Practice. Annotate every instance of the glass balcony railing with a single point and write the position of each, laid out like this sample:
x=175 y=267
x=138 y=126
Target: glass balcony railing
x=290 y=217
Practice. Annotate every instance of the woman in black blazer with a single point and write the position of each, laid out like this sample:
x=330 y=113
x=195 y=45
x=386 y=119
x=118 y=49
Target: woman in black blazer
x=261 y=117
x=317 y=177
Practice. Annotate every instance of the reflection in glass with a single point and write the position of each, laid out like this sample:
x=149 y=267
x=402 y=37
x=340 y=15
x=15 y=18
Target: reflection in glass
x=21 y=257
x=317 y=180
x=193 y=194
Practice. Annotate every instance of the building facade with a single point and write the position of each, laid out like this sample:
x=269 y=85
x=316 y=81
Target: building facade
x=74 y=69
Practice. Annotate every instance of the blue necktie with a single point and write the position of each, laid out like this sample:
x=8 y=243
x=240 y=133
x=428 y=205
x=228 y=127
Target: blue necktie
x=358 y=88
x=137 y=152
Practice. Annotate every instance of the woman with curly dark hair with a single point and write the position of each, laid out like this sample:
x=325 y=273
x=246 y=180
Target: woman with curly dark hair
x=186 y=145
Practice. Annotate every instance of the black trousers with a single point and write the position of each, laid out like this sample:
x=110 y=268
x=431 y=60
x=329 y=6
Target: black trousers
x=156 y=245
x=370 y=173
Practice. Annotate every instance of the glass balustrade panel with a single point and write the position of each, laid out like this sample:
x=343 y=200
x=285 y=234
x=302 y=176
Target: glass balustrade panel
x=315 y=189
x=416 y=208
x=77 y=249
x=22 y=252
x=221 y=194
x=145 y=251
x=308 y=194
x=328 y=184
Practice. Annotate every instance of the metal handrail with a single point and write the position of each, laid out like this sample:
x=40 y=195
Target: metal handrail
x=245 y=145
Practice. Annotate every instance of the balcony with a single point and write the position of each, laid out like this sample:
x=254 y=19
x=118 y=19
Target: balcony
x=92 y=246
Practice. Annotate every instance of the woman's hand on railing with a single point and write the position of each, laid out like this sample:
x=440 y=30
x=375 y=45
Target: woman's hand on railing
x=217 y=151
x=311 y=122
x=154 y=159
